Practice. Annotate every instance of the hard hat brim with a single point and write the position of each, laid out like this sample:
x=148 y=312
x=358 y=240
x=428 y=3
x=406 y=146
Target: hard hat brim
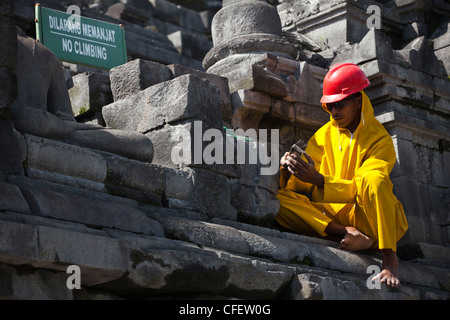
x=339 y=96
x=333 y=98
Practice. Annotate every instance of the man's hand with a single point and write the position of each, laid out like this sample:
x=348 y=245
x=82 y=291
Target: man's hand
x=284 y=162
x=301 y=169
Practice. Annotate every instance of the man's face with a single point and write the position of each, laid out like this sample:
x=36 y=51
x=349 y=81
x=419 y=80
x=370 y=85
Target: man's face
x=347 y=112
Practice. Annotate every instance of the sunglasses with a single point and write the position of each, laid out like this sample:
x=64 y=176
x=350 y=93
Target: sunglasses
x=340 y=104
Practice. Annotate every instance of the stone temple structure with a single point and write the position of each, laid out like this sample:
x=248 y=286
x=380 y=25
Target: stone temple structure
x=88 y=176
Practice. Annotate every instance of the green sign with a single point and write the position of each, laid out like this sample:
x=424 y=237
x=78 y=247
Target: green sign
x=81 y=40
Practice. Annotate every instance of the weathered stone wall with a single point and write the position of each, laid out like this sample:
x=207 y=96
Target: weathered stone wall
x=12 y=145
x=155 y=228
x=8 y=58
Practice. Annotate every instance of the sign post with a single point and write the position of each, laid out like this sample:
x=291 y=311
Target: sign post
x=76 y=39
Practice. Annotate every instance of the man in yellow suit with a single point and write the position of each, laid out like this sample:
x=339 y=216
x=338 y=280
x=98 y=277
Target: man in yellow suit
x=345 y=171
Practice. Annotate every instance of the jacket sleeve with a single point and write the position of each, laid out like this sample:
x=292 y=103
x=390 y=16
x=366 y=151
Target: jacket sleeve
x=293 y=183
x=381 y=157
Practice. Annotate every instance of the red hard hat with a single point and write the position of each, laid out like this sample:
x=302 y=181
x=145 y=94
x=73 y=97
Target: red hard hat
x=341 y=81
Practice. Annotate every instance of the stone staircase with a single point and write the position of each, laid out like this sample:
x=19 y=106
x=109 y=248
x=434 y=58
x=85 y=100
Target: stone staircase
x=51 y=218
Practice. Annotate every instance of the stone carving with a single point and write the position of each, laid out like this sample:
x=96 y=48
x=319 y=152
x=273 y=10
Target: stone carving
x=322 y=20
x=245 y=27
x=43 y=107
x=260 y=64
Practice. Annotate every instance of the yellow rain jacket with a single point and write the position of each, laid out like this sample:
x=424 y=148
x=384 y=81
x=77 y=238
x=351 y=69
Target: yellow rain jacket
x=357 y=190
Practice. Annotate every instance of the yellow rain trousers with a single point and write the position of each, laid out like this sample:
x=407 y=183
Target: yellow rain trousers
x=357 y=190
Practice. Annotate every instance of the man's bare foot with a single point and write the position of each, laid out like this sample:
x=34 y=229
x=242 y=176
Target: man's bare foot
x=389 y=274
x=351 y=238
x=355 y=240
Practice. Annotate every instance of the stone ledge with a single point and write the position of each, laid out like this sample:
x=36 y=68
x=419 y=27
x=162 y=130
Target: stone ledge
x=27 y=283
x=100 y=258
x=325 y=285
x=427 y=253
x=127 y=264
x=94 y=213
x=65 y=159
x=269 y=244
x=11 y=198
x=43 y=182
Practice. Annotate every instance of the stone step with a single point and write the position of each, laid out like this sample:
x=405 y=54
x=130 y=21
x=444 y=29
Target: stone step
x=128 y=264
x=287 y=248
x=426 y=253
